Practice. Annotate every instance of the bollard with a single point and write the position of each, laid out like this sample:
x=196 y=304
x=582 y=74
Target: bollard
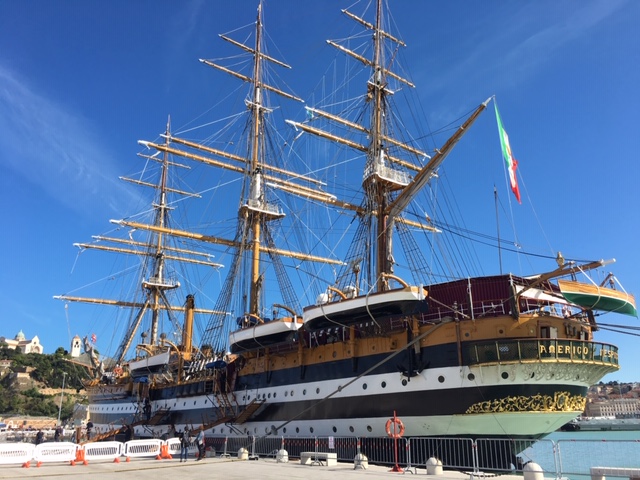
x=360 y=461
x=243 y=454
x=532 y=471
x=434 y=466
x=282 y=456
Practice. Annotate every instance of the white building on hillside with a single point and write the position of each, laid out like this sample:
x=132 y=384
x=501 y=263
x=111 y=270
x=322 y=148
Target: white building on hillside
x=20 y=343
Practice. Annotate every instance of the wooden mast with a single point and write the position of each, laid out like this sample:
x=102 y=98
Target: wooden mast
x=388 y=183
x=376 y=152
x=158 y=280
x=256 y=193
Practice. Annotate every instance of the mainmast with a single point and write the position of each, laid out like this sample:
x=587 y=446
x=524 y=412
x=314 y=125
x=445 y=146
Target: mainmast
x=394 y=171
x=256 y=193
x=376 y=188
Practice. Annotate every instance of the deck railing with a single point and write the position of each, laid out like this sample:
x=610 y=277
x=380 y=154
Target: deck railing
x=540 y=349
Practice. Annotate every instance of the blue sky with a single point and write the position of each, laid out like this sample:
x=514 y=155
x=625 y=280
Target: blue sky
x=81 y=82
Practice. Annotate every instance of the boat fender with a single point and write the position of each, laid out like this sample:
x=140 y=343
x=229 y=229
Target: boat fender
x=398 y=431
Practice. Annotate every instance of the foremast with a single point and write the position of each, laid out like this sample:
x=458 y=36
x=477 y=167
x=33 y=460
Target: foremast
x=157 y=281
x=258 y=215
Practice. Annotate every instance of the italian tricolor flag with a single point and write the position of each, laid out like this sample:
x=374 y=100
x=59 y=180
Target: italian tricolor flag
x=512 y=163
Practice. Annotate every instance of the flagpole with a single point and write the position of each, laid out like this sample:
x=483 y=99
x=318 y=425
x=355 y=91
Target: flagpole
x=495 y=197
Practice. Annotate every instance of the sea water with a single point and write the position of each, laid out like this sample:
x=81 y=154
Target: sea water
x=572 y=454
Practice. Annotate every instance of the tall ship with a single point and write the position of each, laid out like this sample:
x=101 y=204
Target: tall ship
x=340 y=299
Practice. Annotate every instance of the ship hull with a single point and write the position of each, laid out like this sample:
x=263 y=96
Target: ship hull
x=455 y=406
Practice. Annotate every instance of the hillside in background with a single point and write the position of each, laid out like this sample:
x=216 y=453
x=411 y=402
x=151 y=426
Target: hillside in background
x=31 y=384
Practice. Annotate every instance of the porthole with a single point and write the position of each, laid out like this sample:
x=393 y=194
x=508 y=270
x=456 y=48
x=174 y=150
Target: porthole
x=471 y=377
x=466 y=334
x=383 y=384
x=269 y=395
x=274 y=394
x=284 y=430
x=311 y=429
x=184 y=404
x=369 y=429
x=286 y=394
x=351 y=429
x=505 y=375
x=441 y=379
x=194 y=402
x=404 y=382
x=364 y=386
x=292 y=393
x=334 y=429
x=213 y=430
x=335 y=354
x=317 y=390
x=297 y=430
x=304 y=392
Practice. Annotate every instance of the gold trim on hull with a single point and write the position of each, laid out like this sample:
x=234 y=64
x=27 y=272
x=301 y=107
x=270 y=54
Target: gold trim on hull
x=560 y=402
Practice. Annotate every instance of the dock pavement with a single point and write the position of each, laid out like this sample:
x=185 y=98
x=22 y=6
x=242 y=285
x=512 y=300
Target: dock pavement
x=228 y=469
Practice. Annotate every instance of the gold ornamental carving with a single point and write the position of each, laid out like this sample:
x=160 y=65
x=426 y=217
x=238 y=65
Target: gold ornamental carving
x=559 y=402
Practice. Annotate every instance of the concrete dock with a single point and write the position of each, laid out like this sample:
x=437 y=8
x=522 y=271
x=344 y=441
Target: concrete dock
x=228 y=469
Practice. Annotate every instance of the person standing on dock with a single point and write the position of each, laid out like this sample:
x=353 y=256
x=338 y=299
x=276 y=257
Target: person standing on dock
x=185 y=440
x=200 y=443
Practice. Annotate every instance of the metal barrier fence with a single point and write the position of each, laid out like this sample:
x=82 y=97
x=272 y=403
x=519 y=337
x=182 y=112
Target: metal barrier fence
x=556 y=458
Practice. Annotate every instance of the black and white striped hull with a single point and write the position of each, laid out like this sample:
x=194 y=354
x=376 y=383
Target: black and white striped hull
x=445 y=401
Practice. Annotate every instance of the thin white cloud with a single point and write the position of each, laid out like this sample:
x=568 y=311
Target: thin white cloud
x=566 y=24
x=516 y=43
x=55 y=149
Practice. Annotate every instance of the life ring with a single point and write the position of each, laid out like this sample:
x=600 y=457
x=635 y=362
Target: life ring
x=117 y=371
x=398 y=431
